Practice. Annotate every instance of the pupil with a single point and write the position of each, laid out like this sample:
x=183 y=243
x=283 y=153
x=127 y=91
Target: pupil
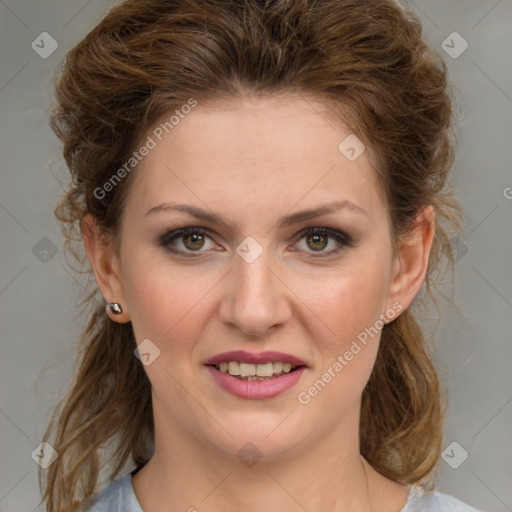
x=315 y=238
x=194 y=238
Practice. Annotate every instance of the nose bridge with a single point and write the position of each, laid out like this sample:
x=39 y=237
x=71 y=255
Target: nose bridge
x=255 y=300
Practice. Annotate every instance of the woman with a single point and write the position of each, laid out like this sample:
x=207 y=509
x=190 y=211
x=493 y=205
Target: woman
x=261 y=189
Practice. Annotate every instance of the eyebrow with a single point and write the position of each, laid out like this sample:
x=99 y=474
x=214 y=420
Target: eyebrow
x=287 y=220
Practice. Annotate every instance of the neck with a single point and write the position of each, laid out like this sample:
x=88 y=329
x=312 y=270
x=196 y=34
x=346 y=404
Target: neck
x=326 y=474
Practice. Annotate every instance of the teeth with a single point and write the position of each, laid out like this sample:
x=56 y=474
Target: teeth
x=251 y=371
x=233 y=368
x=247 y=370
x=265 y=370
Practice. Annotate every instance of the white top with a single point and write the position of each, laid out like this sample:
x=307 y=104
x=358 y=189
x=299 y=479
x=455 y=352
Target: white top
x=119 y=497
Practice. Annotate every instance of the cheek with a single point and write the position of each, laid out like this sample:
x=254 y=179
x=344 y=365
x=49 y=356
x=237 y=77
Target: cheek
x=346 y=352
x=346 y=301
x=348 y=305
x=170 y=308
x=164 y=302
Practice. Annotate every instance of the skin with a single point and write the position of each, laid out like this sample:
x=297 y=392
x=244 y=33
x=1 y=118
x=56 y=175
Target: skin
x=253 y=162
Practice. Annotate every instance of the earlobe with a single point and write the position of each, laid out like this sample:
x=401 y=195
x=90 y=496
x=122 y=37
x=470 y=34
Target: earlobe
x=411 y=263
x=105 y=265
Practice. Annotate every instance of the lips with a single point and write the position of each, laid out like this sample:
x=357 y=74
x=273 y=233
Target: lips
x=288 y=370
x=256 y=390
x=255 y=358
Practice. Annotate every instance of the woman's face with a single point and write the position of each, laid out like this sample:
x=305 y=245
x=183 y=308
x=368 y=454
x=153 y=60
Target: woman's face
x=257 y=281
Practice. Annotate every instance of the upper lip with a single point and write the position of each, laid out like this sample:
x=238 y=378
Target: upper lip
x=261 y=357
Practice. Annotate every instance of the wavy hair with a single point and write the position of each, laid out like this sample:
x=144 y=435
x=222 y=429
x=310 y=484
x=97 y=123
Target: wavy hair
x=368 y=61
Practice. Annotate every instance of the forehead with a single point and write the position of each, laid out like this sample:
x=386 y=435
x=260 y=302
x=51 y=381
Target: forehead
x=259 y=154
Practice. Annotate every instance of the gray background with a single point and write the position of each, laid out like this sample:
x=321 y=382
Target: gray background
x=38 y=292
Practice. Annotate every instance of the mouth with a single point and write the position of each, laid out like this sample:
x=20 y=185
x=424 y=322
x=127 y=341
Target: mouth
x=256 y=372
x=256 y=376
x=255 y=366
x=239 y=379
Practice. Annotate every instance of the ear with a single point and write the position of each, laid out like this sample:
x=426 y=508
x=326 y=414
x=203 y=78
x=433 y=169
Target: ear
x=104 y=261
x=411 y=262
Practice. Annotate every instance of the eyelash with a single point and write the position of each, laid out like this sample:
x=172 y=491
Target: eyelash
x=342 y=238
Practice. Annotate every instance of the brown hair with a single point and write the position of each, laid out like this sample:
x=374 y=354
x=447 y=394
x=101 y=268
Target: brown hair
x=367 y=60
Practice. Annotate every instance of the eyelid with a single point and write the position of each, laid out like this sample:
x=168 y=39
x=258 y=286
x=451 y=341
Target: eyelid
x=324 y=230
x=343 y=239
x=181 y=232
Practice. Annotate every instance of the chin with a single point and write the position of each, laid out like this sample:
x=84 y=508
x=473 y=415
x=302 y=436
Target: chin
x=267 y=435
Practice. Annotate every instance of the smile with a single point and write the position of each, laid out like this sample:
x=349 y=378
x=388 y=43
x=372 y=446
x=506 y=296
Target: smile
x=251 y=371
x=255 y=387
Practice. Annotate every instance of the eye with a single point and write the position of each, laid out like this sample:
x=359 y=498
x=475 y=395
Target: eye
x=186 y=241
x=317 y=240
x=191 y=239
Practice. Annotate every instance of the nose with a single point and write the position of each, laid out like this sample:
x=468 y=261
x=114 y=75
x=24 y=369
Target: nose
x=256 y=299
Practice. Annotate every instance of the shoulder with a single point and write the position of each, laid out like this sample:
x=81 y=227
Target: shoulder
x=117 y=496
x=421 y=501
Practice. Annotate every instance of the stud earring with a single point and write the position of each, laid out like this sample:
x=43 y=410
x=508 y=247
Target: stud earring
x=115 y=308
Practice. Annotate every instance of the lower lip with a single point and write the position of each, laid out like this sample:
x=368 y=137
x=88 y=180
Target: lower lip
x=256 y=389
